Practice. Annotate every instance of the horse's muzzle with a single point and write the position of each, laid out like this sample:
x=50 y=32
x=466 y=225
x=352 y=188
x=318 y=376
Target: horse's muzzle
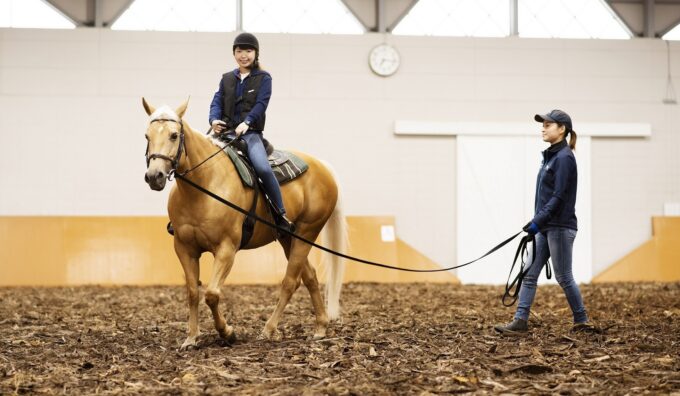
x=155 y=179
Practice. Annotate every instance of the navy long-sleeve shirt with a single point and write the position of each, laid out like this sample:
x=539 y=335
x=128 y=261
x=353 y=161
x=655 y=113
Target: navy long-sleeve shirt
x=262 y=100
x=555 y=202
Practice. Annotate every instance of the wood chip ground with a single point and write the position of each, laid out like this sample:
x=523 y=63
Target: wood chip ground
x=393 y=339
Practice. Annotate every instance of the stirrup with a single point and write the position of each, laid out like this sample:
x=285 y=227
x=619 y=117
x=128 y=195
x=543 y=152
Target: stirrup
x=283 y=222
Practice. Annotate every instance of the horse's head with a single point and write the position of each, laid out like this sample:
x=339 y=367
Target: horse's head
x=165 y=142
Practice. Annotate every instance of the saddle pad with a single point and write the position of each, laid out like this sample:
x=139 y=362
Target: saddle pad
x=285 y=165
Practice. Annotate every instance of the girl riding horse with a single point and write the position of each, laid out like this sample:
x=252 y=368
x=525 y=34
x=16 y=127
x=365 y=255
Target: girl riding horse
x=203 y=224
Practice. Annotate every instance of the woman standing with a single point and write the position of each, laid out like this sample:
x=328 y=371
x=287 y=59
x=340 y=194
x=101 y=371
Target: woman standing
x=554 y=222
x=239 y=106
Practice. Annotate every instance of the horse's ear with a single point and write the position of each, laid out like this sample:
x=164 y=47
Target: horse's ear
x=149 y=109
x=182 y=108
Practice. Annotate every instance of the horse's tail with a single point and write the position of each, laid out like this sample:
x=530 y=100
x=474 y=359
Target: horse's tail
x=334 y=236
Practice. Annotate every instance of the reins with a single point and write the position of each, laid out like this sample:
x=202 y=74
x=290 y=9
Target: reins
x=509 y=293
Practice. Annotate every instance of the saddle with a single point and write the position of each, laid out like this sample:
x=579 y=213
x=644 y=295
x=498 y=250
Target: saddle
x=286 y=166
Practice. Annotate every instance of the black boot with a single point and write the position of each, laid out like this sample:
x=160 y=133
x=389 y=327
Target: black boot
x=586 y=327
x=516 y=327
x=283 y=222
x=170 y=228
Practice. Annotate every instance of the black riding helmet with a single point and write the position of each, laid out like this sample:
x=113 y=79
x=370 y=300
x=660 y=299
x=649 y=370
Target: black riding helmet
x=246 y=40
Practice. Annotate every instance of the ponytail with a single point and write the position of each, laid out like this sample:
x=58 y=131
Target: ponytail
x=572 y=139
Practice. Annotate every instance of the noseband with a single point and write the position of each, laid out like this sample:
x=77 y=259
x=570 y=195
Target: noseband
x=173 y=161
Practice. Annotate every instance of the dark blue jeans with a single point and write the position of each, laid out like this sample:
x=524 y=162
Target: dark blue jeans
x=557 y=244
x=258 y=157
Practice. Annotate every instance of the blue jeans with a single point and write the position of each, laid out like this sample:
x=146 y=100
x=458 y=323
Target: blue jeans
x=557 y=244
x=258 y=157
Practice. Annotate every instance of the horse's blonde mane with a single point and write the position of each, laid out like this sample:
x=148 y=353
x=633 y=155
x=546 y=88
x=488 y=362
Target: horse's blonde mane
x=217 y=142
x=164 y=112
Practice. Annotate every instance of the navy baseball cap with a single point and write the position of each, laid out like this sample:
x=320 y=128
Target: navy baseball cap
x=557 y=116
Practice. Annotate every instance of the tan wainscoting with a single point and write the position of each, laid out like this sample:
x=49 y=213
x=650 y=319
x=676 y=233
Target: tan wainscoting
x=59 y=251
x=655 y=260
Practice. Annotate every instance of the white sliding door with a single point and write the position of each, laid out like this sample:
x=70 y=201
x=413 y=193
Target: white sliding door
x=496 y=180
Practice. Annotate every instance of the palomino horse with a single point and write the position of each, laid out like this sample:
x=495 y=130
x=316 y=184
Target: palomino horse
x=203 y=224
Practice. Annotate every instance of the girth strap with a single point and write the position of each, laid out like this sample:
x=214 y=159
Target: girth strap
x=248 y=228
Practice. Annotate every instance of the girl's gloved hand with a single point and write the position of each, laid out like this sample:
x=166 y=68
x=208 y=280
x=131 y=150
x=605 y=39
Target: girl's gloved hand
x=241 y=129
x=531 y=228
x=218 y=126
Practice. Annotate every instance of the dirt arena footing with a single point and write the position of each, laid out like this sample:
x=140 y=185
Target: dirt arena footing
x=393 y=339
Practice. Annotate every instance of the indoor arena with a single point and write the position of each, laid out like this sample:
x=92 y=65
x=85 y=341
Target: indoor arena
x=339 y=197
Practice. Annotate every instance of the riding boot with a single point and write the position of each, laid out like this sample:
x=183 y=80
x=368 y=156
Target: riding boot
x=283 y=222
x=586 y=327
x=516 y=327
x=170 y=228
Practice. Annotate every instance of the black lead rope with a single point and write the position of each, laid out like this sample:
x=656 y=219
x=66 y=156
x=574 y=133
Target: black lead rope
x=520 y=254
x=284 y=230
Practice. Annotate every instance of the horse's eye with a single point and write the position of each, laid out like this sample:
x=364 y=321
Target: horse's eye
x=173 y=136
x=146 y=136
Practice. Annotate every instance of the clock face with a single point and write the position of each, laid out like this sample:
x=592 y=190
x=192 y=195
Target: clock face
x=384 y=60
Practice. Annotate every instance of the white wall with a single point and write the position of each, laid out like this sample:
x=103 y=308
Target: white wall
x=72 y=124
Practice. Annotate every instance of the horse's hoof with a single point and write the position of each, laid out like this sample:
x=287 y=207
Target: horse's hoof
x=189 y=343
x=271 y=335
x=228 y=335
x=319 y=336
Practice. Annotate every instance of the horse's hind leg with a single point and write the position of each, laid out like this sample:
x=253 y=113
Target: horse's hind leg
x=224 y=259
x=191 y=274
x=310 y=280
x=297 y=256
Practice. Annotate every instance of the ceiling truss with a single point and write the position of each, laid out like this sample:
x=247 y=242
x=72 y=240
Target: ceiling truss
x=643 y=18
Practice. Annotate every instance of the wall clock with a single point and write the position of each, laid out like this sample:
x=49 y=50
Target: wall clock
x=384 y=60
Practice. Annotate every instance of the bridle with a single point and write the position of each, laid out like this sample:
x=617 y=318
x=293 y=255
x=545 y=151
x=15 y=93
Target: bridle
x=173 y=161
x=182 y=147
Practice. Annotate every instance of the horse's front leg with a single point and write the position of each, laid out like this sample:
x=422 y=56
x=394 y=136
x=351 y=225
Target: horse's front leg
x=224 y=260
x=191 y=276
